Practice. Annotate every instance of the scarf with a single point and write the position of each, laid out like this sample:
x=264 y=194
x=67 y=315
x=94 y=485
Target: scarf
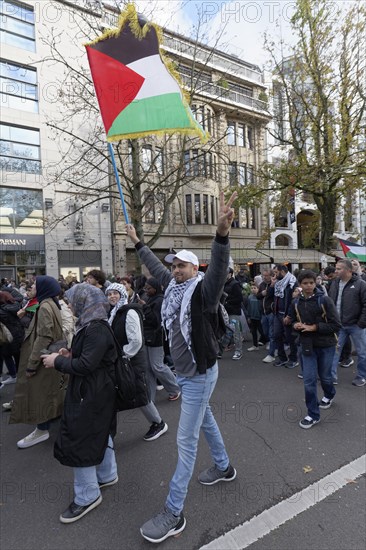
x=88 y=303
x=280 y=286
x=47 y=287
x=176 y=297
x=121 y=289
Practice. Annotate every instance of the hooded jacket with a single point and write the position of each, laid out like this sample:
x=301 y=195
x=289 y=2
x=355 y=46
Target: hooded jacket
x=321 y=311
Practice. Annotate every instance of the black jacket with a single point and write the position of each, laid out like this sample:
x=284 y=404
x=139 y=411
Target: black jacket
x=353 y=303
x=310 y=312
x=9 y=317
x=153 y=332
x=234 y=300
x=267 y=300
x=89 y=414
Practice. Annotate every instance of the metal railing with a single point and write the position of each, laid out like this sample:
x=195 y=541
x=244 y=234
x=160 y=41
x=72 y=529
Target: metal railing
x=224 y=94
x=210 y=58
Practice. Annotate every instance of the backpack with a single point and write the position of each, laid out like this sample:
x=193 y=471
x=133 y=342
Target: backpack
x=125 y=382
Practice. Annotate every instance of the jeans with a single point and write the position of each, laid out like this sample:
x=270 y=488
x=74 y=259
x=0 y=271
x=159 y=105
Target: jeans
x=155 y=358
x=195 y=414
x=267 y=324
x=281 y=333
x=319 y=363
x=236 y=325
x=358 y=336
x=86 y=480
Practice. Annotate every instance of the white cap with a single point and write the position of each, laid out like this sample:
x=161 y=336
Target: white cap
x=184 y=255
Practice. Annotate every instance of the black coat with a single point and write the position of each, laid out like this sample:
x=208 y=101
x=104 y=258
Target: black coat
x=89 y=414
x=234 y=300
x=153 y=332
x=9 y=317
x=353 y=306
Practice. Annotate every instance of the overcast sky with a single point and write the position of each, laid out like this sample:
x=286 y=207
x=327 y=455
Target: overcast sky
x=243 y=22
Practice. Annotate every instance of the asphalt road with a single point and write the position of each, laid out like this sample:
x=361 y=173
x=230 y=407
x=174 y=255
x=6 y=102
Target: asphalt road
x=258 y=407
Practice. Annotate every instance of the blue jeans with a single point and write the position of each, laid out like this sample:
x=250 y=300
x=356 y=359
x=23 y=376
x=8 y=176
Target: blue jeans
x=319 y=363
x=86 y=487
x=358 y=336
x=267 y=324
x=195 y=414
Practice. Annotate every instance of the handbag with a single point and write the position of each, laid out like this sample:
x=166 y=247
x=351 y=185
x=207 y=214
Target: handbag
x=6 y=336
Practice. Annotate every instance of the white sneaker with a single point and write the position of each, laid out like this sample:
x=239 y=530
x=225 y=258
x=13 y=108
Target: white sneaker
x=10 y=380
x=7 y=406
x=32 y=439
x=269 y=359
x=159 y=387
x=253 y=348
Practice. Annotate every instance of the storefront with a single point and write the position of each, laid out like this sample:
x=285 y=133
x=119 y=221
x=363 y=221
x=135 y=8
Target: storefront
x=22 y=243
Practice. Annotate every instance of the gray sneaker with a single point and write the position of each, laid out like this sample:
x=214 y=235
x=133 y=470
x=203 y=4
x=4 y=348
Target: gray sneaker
x=163 y=525
x=214 y=475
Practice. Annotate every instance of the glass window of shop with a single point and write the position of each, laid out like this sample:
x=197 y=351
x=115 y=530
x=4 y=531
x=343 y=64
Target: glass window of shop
x=22 y=248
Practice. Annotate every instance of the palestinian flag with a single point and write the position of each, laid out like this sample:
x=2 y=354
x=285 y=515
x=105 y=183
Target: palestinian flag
x=136 y=91
x=352 y=250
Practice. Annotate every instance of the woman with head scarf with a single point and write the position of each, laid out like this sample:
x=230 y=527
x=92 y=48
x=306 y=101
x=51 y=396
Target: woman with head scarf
x=38 y=398
x=89 y=417
x=126 y=323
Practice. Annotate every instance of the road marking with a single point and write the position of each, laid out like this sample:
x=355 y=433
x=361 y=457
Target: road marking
x=259 y=526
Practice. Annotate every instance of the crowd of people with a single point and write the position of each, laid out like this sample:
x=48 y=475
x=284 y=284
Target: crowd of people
x=66 y=338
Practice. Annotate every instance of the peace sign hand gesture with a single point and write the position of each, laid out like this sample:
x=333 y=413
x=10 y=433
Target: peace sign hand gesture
x=226 y=214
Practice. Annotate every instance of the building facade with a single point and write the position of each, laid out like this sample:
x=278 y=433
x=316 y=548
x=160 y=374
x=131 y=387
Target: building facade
x=60 y=215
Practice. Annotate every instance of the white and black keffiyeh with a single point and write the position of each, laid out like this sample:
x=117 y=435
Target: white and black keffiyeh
x=121 y=302
x=280 y=285
x=175 y=296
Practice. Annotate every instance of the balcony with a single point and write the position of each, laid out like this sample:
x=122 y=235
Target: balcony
x=217 y=61
x=225 y=95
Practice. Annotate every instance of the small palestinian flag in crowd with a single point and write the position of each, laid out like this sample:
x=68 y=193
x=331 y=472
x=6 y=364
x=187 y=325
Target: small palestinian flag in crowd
x=352 y=250
x=136 y=91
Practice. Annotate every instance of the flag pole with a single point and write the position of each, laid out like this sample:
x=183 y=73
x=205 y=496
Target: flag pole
x=111 y=152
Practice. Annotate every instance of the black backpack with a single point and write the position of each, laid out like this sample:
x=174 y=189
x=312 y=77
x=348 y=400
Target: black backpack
x=125 y=382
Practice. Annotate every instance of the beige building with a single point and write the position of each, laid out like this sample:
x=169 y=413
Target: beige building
x=60 y=215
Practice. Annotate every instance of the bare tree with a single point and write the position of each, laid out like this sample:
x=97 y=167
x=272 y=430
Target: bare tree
x=152 y=171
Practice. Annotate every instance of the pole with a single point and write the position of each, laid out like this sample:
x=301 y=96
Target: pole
x=111 y=152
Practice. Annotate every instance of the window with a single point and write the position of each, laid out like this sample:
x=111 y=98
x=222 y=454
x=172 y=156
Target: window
x=189 y=209
x=19 y=149
x=197 y=208
x=154 y=207
x=195 y=163
x=250 y=137
x=242 y=174
x=213 y=211
x=18 y=87
x=232 y=173
x=205 y=209
x=241 y=135
x=17 y=25
x=159 y=160
x=146 y=157
x=231 y=133
x=250 y=174
x=247 y=216
x=187 y=163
